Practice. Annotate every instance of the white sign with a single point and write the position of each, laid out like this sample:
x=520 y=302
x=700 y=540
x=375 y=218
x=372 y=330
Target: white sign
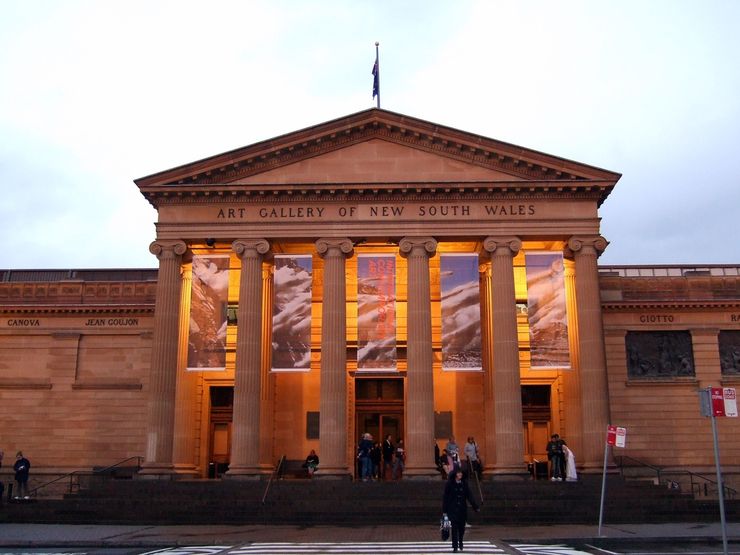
x=730 y=398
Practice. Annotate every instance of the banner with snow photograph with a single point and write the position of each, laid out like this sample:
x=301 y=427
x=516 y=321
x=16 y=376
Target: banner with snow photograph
x=209 y=297
x=291 y=313
x=461 y=332
x=546 y=311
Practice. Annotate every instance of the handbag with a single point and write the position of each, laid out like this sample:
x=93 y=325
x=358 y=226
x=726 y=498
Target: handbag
x=444 y=527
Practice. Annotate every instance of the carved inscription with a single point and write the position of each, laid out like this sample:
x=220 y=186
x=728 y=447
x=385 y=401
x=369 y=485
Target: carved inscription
x=413 y=211
x=729 y=352
x=659 y=354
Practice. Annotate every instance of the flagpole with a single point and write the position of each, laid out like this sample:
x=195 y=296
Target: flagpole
x=377 y=63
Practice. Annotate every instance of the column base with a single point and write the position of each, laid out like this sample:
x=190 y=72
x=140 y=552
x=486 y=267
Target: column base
x=158 y=471
x=186 y=470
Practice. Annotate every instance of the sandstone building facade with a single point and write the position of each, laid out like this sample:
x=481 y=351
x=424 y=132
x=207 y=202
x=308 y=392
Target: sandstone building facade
x=375 y=211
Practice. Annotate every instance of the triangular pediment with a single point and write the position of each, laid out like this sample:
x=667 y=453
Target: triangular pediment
x=376 y=147
x=377 y=161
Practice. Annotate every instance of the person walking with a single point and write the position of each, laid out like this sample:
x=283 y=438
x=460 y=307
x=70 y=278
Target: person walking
x=21 y=467
x=455 y=506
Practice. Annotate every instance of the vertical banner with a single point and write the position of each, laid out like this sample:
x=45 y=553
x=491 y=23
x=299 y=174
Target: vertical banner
x=209 y=298
x=376 y=312
x=291 y=313
x=546 y=311
x=461 y=335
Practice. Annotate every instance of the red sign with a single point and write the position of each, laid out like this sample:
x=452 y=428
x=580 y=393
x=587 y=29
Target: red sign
x=718 y=401
x=616 y=435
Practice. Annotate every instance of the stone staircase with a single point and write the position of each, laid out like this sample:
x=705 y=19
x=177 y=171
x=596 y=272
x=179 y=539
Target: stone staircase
x=339 y=502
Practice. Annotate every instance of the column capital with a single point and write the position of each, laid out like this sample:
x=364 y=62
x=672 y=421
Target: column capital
x=408 y=244
x=590 y=244
x=325 y=244
x=493 y=243
x=250 y=247
x=167 y=248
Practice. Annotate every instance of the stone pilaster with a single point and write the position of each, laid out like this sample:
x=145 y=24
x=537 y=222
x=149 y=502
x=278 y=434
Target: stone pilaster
x=163 y=371
x=593 y=379
x=419 y=372
x=268 y=379
x=245 y=428
x=508 y=435
x=333 y=404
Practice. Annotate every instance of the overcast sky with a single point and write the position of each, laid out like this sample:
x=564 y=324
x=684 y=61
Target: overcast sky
x=94 y=94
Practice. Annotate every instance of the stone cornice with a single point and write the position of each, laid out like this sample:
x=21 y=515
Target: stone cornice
x=77 y=309
x=631 y=306
x=213 y=175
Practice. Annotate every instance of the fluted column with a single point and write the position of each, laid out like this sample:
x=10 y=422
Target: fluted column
x=593 y=380
x=572 y=432
x=507 y=395
x=333 y=404
x=245 y=428
x=419 y=356
x=163 y=371
x=184 y=448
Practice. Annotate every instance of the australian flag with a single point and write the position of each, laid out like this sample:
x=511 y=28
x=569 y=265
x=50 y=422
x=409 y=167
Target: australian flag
x=376 y=78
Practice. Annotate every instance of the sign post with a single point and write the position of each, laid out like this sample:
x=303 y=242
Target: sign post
x=616 y=436
x=714 y=402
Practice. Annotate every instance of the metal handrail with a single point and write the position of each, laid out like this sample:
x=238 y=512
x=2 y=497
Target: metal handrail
x=76 y=473
x=729 y=492
x=275 y=471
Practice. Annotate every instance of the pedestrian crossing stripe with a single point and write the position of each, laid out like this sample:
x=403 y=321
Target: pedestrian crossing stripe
x=536 y=549
x=333 y=548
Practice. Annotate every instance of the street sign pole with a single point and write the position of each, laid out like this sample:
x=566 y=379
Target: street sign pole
x=712 y=405
x=603 y=487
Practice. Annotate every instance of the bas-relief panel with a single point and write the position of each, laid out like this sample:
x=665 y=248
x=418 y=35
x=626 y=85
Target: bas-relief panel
x=729 y=352
x=659 y=354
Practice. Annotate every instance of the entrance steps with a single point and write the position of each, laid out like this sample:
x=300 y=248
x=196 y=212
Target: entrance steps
x=363 y=503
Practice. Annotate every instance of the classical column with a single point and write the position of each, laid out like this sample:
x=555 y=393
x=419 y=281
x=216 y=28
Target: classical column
x=245 y=428
x=333 y=404
x=163 y=371
x=593 y=379
x=573 y=429
x=507 y=434
x=186 y=405
x=419 y=355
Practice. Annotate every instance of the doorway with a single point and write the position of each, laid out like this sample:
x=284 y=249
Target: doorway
x=378 y=409
x=219 y=437
x=536 y=417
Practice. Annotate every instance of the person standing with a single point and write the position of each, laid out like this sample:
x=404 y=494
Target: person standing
x=455 y=505
x=388 y=450
x=21 y=467
x=570 y=465
x=363 y=453
x=398 y=463
x=472 y=456
x=556 y=456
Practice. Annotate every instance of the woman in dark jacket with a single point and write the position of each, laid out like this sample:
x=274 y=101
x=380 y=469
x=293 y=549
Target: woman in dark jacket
x=21 y=467
x=455 y=506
